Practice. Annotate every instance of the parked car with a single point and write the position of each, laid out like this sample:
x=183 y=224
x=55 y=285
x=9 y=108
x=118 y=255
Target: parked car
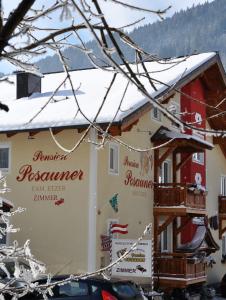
x=7 y=270
x=223 y=286
x=8 y=282
x=94 y=288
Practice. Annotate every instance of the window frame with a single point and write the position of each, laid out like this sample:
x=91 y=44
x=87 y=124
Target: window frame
x=159 y=115
x=199 y=160
x=6 y=145
x=195 y=158
x=167 y=233
x=177 y=106
x=223 y=186
x=162 y=174
x=115 y=148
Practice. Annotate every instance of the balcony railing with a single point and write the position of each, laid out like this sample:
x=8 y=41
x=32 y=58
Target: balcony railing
x=222 y=204
x=177 y=194
x=173 y=265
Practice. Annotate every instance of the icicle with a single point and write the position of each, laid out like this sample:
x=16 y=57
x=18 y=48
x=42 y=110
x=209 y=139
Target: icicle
x=105 y=276
x=2 y=297
x=4 y=269
x=17 y=269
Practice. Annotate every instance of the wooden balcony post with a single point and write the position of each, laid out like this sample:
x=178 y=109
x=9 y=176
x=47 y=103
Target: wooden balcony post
x=174 y=167
x=175 y=234
x=156 y=165
x=156 y=222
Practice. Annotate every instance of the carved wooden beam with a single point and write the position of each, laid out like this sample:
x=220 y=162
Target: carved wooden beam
x=10 y=134
x=165 y=224
x=178 y=230
x=165 y=155
x=32 y=133
x=187 y=157
x=56 y=131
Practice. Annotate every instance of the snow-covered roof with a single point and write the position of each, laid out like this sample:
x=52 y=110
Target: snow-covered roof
x=164 y=133
x=90 y=87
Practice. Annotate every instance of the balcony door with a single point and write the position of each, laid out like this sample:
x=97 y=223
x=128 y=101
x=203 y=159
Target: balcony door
x=166 y=239
x=165 y=172
x=166 y=235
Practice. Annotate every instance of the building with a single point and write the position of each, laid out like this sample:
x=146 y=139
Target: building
x=177 y=185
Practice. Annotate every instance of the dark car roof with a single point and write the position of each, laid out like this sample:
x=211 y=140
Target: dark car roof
x=99 y=279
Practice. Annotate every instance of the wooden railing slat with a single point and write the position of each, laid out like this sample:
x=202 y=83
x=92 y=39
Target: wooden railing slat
x=176 y=194
x=178 y=267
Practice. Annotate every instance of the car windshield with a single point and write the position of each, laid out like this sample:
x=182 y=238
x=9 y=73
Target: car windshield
x=125 y=289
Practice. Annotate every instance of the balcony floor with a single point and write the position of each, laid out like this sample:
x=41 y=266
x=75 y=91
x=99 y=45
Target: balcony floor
x=178 y=210
x=173 y=282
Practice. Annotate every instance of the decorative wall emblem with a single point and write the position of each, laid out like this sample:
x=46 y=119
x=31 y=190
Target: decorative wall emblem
x=198 y=118
x=114 y=202
x=198 y=178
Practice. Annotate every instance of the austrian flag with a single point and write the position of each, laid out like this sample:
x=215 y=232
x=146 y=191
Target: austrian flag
x=119 y=228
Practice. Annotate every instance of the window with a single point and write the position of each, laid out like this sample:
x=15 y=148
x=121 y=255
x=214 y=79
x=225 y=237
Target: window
x=198 y=157
x=165 y=239
x=223 y=186
x=4 y=157
x=126 y=290
x=165 y=172
x=156 y=114
x=113 y=159
x=71 y=289
x=175 y=110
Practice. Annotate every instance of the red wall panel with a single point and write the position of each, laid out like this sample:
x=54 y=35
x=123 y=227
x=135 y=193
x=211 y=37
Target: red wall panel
x=193 y=109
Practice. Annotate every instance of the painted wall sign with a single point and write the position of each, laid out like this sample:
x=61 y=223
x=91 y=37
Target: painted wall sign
x=48 y=185
x=142 y=170
x=137 y=264
x=131 y=180
x=26 y=172
x=130 y=163
x=40 y=156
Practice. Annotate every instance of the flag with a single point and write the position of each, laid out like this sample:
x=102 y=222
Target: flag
x=114 y=202
x=105 y=242
x=119 y=228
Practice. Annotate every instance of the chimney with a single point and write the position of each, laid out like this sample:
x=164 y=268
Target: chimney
x=27 y=84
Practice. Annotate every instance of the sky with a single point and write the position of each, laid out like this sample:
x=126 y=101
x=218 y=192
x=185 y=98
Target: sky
x=121 y=16
x=115 y=14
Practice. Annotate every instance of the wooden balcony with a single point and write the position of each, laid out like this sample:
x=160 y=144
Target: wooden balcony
x=179 y=196
x=178 y=270
x=222 y=204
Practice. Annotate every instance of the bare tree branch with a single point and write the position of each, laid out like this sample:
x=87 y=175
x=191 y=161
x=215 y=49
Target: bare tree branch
x=13 y=21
